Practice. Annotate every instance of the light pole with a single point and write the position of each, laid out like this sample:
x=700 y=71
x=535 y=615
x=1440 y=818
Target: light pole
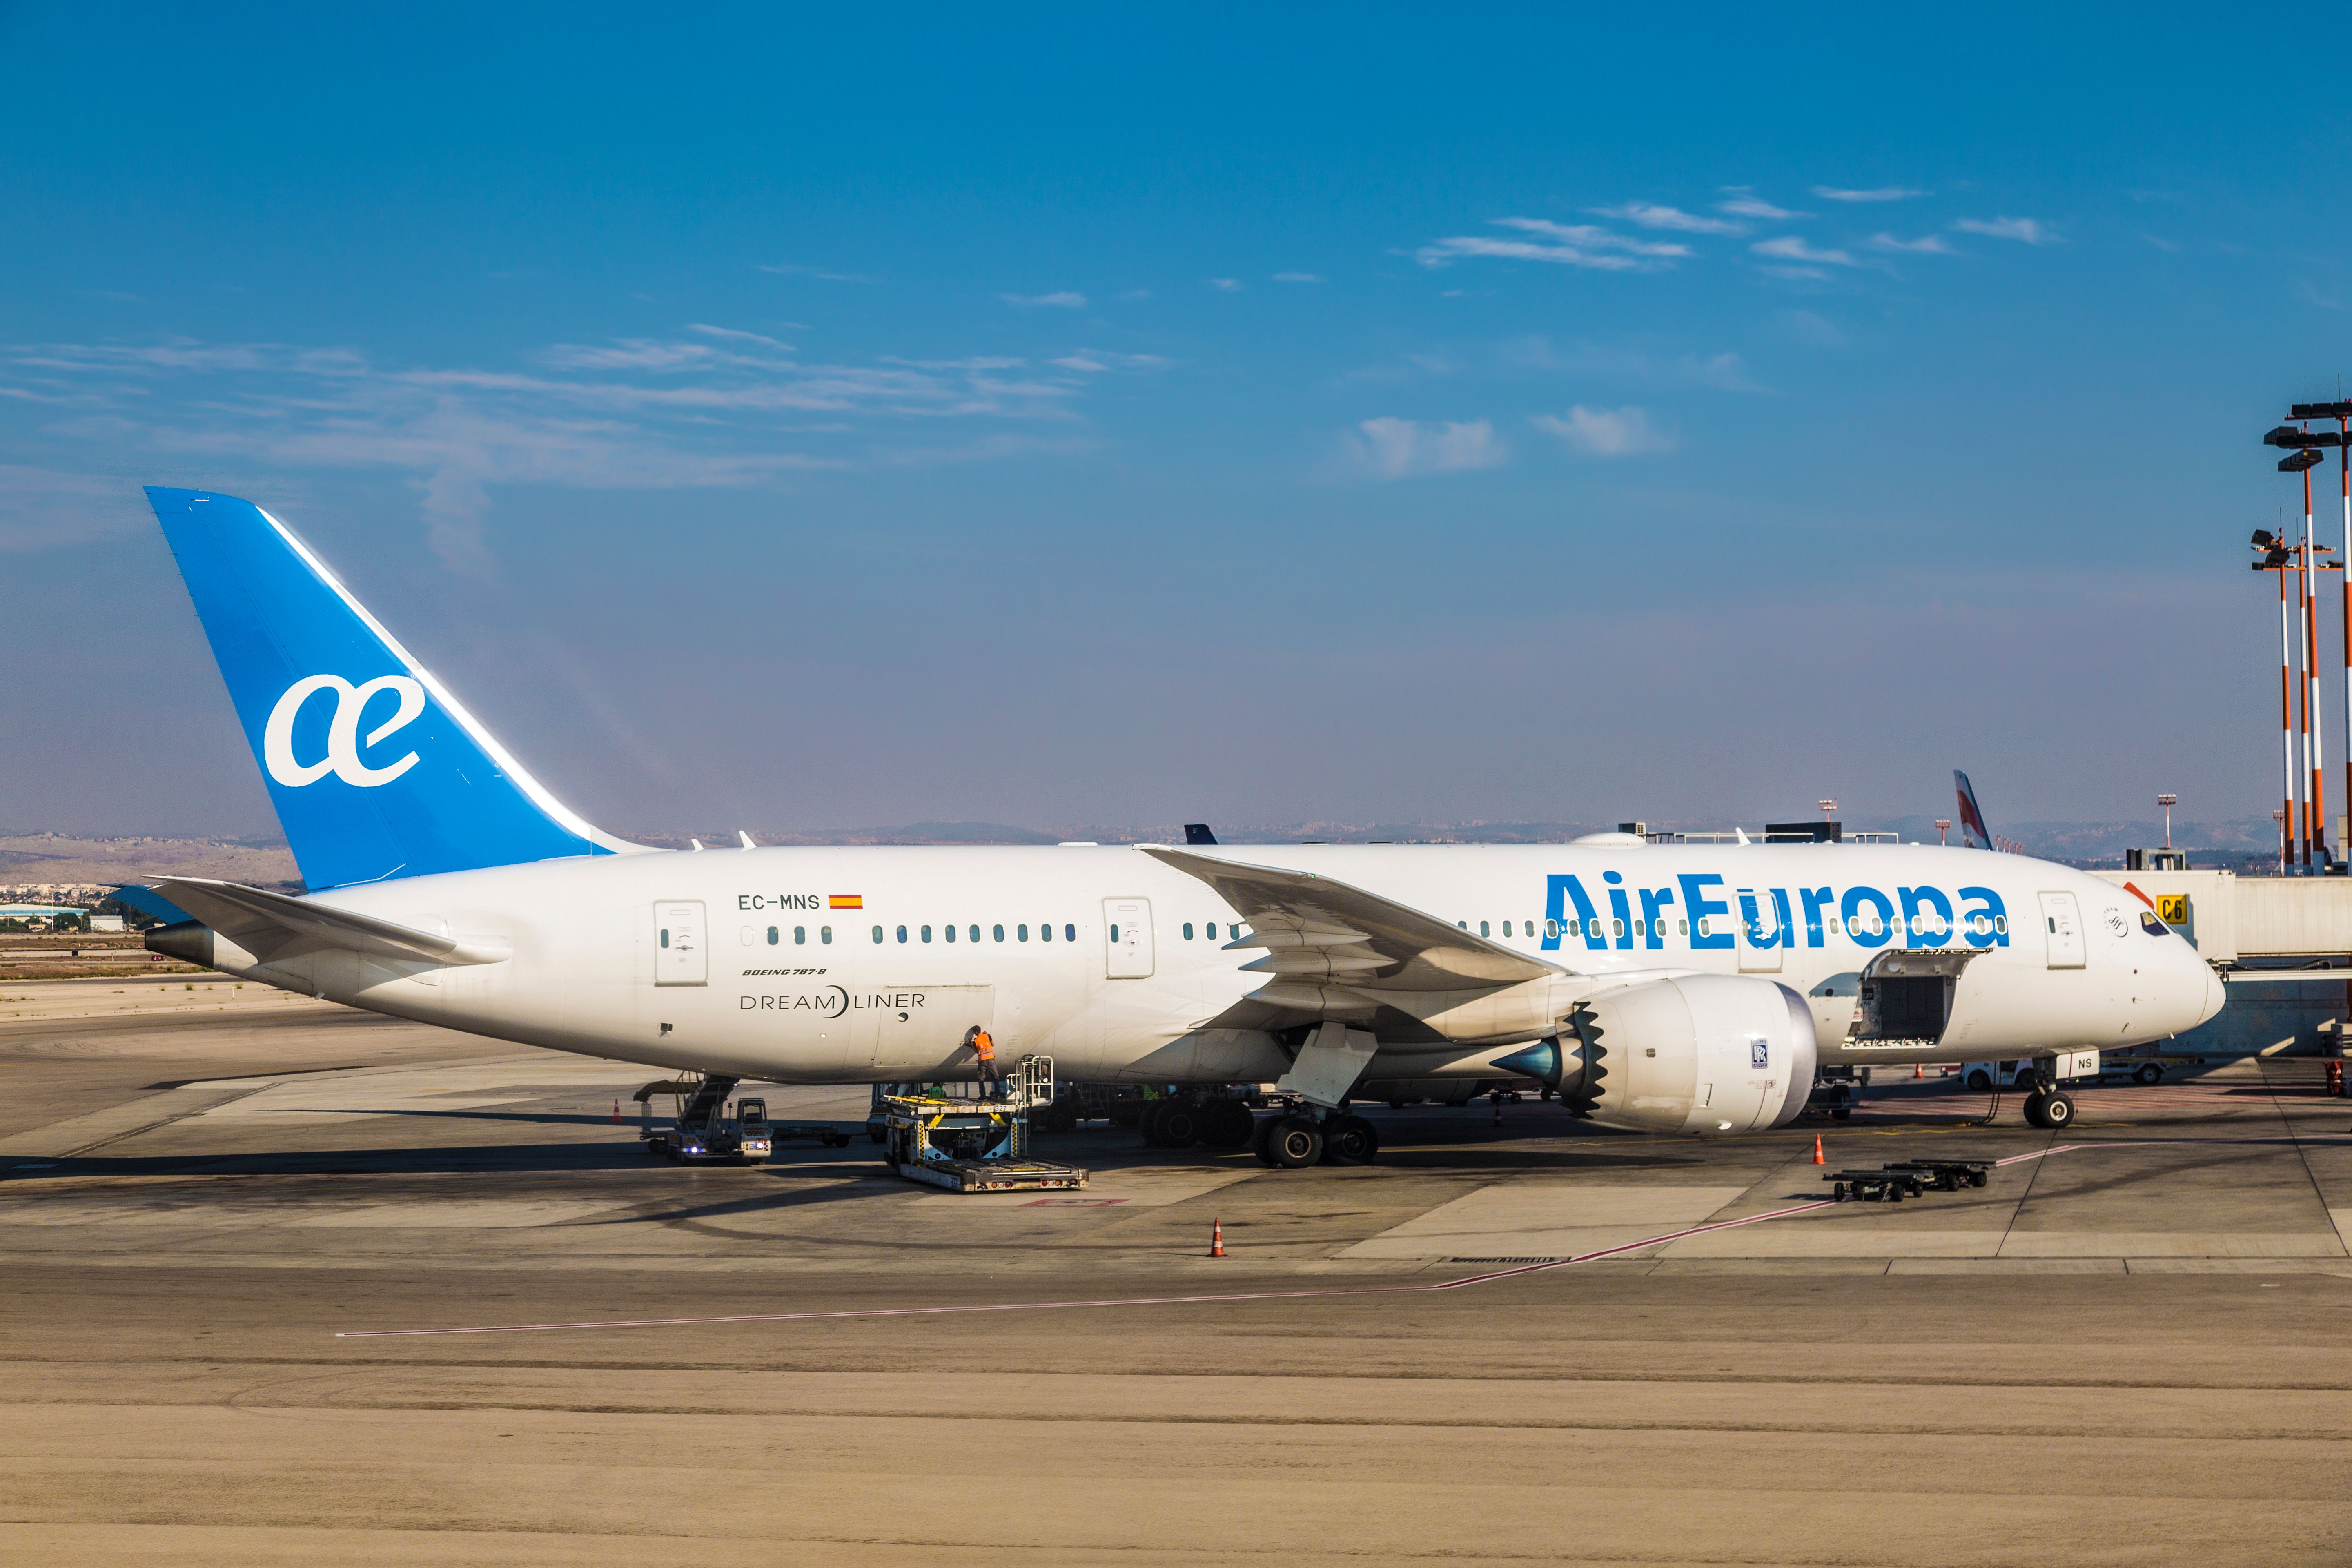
x=2302 y=460
x=2276 y=558
x=2341 y=411
x=1829 y=808
x=1943 y=830
x=2168 y=802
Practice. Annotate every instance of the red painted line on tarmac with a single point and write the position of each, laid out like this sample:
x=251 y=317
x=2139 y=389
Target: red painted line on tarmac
x=1467 y=1279
x=1076 y=1306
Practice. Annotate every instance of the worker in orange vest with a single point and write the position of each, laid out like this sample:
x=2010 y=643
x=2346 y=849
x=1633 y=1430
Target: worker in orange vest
x=984 y=1049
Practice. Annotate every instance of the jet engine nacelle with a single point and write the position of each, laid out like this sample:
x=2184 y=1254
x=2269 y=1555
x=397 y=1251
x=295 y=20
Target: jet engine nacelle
x=1698 y=1053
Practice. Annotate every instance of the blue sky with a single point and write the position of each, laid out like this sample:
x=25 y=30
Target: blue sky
x=1055 y=417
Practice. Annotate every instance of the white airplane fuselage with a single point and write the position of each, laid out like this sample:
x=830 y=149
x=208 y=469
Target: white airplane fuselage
x=836 y=965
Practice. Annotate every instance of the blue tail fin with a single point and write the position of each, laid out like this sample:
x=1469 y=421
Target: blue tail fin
x=376 y=770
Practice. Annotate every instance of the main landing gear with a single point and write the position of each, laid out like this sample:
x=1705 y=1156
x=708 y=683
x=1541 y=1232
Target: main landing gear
x=1179 y=1123
x=1295 y=1140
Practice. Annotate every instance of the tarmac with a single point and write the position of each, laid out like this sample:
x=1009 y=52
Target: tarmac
x=215 y=1201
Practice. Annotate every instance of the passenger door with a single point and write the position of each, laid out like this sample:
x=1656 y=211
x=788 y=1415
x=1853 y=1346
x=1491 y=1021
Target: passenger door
x=1127 y=935
x=680 y=955
x=2061 y=922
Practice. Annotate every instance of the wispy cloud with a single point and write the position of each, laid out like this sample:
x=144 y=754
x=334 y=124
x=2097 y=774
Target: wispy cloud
x=715 y=406
x=1226 y=285
x=1741 y=202
x=1926 y=245
x=1649 y=215
x=1297 y=278
x=793 y=269
x=1789 y=247
x=1067 y=298
x=1726 y=371
x=1093 y=362
x=1605 y=432
x=1410 y=449
x=1878 y=193
x=41 y=510
x=2032 y=231
x=1559 y=244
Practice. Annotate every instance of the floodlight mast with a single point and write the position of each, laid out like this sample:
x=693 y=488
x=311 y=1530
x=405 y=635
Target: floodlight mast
x=2341 y=411
x=2167 y=800
x=2274 y=558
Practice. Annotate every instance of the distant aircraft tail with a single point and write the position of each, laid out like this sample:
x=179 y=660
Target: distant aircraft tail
x=1973 y=833
x=376 y=770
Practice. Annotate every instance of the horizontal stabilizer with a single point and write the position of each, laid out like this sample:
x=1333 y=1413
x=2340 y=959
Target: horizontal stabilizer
x=267 y=924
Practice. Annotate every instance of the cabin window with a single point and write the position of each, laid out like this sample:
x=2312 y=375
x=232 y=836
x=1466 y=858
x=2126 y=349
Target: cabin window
x=927 y=932
x=902 y=933
x=877 y=933
x=951 y=934
x=824 y=933
x=2001 y=924
x=975 y=934
x=1507 y=928
x=664 y=940
x=1069 y=934
x=1114 y=936
x=772 y=936
x=1022 y=931
x=1212 y=931
x=1463 y=924
x=1483 y=930
x=1682 y=928
x=800 y=936
x=1188 y=931
x=1551 y=929
x=1617 y=929
x=1000 y=934
x=1045 y=933
x=1641 y=928
x=1576 y=928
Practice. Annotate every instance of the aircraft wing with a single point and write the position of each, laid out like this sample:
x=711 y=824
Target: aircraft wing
x=266 y=925
x=1318 y=932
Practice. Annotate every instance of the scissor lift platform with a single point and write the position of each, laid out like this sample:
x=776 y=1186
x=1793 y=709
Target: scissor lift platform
x=975 y=1144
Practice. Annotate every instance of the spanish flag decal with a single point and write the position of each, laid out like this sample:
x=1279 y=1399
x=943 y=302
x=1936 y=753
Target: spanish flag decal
x=845 y=902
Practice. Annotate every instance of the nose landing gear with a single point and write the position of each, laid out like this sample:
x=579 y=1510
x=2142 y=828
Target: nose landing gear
x=2048 y=1105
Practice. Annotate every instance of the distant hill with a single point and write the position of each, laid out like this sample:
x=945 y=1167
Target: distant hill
x=53 y=857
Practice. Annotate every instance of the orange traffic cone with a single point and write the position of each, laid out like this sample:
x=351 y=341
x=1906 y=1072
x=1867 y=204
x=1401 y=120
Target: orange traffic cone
x=1217 y=1238
x=1919 y=1070
x=616 y=1110
x=1818 y=1158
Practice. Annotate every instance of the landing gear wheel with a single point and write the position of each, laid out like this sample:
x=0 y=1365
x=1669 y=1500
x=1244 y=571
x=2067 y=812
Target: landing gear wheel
x=2037 y=1110
x=2148 y=1072
x=1149 y=1123
x=1230 y=1125
x=1295 y=1142
x=1350 y=1141
x=2057 y=1111
x=1180 y=1125
x=1980 y=1080
x=1262 y=1141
